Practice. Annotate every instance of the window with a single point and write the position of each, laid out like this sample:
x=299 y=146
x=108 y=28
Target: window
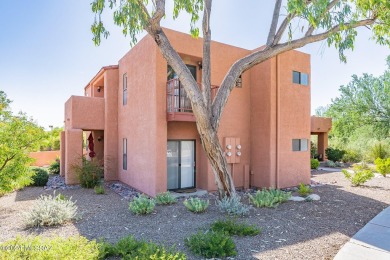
x=300 y=78
x=124 y=154
x=125 y=89
x=299 y=145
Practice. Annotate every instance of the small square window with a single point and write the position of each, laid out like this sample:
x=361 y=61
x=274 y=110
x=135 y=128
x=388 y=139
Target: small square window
x=300 y=145
x=296 y=77
x=300 y=78
x=304 y=79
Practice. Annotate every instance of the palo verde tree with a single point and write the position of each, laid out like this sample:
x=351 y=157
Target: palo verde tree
x=332 y=20
x=18 y=136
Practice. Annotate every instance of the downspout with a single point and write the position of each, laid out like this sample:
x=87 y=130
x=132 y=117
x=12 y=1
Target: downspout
x=277 y=121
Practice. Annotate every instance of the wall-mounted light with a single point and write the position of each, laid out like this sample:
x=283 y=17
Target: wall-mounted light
x=99 y=88
x=100 y=138
x=200 y=65
x=238 y=147
x=229 y=147
x=238 y=153
x=229 y=154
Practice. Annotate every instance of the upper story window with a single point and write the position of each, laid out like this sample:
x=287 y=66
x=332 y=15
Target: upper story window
x=125 y=89
x=300 y=78
x=300 y=145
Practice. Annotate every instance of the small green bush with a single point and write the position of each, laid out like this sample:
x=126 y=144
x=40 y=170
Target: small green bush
x=99 y=189
x=54 y=167
x=383 y=166
x=130 y=248
x=196 y=205
x=359 y=177
x=142 y=205
x=351 y=156
x=334 y=154
x=51 y=211
x=232 y=206
x=304 y=190
x=89 y=173
x=39 y=247
x=314 y=164
x=211 y=244
x=40 y=176
x=330 y=163
x=379 y=150
x=165 y=198
x=269 y=198
x=230 y=227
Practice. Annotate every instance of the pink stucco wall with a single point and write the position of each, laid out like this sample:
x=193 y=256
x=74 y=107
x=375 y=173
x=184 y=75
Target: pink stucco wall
x=44 y=158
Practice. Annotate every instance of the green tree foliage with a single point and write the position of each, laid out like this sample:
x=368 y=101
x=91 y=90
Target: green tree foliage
x=18 y=136
x=51 y=140
x=304 y=22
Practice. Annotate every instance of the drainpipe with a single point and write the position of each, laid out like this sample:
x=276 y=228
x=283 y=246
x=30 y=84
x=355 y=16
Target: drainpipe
x=277 y=121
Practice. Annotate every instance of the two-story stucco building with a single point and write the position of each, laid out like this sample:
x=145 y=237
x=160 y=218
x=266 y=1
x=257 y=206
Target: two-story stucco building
x=144 y=130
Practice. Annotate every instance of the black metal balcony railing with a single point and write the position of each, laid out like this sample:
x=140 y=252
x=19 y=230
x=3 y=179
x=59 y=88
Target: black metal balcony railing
x=177 y=99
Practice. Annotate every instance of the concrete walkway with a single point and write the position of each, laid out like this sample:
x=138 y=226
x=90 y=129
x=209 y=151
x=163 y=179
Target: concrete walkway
x=371 y=242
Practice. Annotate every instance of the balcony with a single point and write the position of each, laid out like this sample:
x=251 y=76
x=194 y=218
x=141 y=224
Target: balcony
x=178 y=104
x=84 y=113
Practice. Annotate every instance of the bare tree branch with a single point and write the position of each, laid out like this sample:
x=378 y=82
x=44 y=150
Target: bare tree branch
x=328 y=8
x=274 y=24
x=259 y=56
x=206 y=67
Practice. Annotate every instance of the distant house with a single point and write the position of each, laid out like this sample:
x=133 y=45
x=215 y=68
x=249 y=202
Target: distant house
x=145 y=132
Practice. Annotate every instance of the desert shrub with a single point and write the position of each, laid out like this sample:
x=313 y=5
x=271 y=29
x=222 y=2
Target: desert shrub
x=54 y=167
x=89 y=173
x=339 y=164
x=130 y=248
x=304 y=190
x=211 y=244
x=99 y=189
x=196 y=205
x=165 y=198
x=230 y=227
x=314 y=163
x=334 y=154
x=330 y=163
x=39 y=247
x=50 y=211
x=352 y=156
x=383 y=166
x=379 y=150
x=269 y=198
x=142 y=205
x=359 y=177
x=313 y=150
x=232 y=206
x=40 y=176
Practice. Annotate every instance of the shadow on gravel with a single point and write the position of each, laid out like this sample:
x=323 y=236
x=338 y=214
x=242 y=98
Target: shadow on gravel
x=107 y=216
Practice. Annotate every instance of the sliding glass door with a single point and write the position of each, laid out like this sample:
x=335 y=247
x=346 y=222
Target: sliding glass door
x=181 y=164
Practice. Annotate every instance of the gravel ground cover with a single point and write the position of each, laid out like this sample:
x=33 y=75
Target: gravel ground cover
x=294 y=230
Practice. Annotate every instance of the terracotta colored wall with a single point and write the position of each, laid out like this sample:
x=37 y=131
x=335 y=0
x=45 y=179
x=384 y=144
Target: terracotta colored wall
x=293 y=119
x=84 y=113
x=235 y=121
x=137 y=121
x=73 y=153
x=44 y=158
x=111 y=124
x=320 y=124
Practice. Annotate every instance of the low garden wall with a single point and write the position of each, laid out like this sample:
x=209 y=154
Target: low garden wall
x=44 y=158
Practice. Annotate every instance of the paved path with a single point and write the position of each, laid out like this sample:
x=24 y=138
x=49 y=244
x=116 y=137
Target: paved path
x=371 y=242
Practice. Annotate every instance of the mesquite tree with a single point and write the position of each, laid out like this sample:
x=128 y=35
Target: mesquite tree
x=304 y=22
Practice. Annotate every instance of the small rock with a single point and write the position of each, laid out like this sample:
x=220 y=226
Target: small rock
x=296 y=198
x=313 y=197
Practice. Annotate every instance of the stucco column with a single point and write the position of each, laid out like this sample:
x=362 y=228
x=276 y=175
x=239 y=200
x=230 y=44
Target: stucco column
x=73 y=154
x=322 y=144
x=62 y=158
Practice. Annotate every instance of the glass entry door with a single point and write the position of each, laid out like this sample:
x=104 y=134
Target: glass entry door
x=181 y=164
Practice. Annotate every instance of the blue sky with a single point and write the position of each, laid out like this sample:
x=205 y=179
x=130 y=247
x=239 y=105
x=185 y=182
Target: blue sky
x=47 y=53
